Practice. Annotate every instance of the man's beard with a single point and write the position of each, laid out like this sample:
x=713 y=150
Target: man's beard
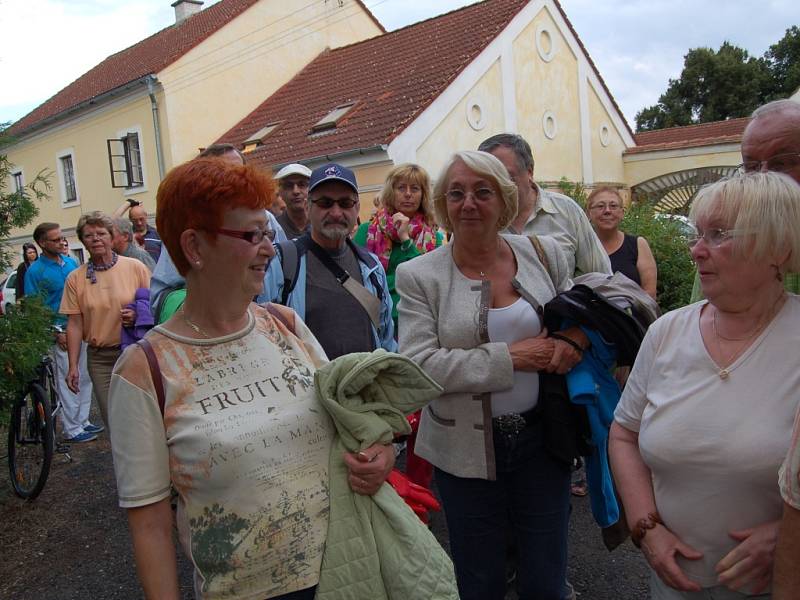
x=335 y=232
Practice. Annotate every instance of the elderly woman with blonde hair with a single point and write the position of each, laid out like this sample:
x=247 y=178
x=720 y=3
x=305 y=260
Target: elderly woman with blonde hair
x=94 y=300
x=706 y=417
x=469 y=317
x=403 y=227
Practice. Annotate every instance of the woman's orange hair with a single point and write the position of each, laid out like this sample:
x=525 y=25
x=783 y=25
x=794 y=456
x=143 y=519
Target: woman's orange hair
x=196 y=195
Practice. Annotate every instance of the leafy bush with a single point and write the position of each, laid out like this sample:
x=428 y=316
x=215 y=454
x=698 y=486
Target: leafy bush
x=24 y=338
x=668 y=242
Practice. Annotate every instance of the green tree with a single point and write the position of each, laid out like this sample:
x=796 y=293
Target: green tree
x=667 y=240
x=24 y=331
x=713 y=86
x=784 y=63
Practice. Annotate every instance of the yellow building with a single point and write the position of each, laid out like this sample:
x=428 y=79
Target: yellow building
x=111 y=134
x=419 y=93
x=328 y=83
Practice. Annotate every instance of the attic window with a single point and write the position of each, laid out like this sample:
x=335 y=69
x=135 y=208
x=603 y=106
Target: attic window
x=330 y=120
x=257 y=139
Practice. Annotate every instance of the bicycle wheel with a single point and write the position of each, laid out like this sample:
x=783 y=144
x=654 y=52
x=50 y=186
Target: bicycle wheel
x=30 y=443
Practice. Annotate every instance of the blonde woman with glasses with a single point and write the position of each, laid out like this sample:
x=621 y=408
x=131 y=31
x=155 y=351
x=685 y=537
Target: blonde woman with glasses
x=706 y=417
x=629 y=254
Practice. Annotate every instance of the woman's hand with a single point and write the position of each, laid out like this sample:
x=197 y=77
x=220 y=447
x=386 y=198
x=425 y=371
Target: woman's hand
x=401 y=223
x=532 y=354
x=565 y=355
x=128 y=316
x=750 y=563
x=660 y=547
x=369 y=468
x=73 y=379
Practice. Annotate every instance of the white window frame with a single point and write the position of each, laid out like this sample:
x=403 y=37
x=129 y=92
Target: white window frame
x=13 y=176
x=62 y=184
x=138 y=189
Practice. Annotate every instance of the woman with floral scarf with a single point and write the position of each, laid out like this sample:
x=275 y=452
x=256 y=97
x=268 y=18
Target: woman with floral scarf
x=403 y=227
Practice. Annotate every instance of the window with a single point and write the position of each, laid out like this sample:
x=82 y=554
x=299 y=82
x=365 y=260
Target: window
x=18 y=181
x=125 y=161
x=257 y=139
x=67 y=176
x=331 y=120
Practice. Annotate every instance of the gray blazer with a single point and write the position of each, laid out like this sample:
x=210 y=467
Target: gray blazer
x=443 y=328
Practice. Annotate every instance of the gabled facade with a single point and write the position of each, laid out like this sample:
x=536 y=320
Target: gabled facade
x=115 y=131
x=419 y=93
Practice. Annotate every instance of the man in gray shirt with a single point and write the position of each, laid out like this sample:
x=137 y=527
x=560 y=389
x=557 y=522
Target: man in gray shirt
x=345 y=317
x=543 y=212
x=122 y=243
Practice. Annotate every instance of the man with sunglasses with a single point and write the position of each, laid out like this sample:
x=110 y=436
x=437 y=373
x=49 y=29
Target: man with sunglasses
x=338 y=289
x=46 y=277
x=771 y=142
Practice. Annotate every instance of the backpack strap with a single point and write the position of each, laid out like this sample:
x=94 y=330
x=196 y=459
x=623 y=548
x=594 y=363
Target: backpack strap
x=537 y=245
x=155 y=372
x=365 y=257
x=290 y=265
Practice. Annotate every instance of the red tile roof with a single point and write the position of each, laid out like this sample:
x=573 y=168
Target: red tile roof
x=151 y=55
x=690 y=136
x=391 y=77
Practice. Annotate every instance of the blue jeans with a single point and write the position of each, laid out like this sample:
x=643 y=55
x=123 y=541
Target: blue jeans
x=529 y=497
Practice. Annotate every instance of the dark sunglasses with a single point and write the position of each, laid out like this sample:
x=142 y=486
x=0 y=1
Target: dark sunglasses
x=255 y=236
x=326 y=202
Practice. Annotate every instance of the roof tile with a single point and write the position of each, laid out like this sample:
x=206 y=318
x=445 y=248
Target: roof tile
x=393 y=77
x=690 y=136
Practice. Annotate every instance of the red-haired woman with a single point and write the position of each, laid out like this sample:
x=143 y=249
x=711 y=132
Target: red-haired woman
x=403 y=227
x=242 y=437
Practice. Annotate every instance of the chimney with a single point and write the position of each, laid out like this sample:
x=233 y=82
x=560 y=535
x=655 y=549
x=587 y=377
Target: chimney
x=186 y=8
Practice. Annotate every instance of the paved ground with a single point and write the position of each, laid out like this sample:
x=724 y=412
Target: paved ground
x=72 y=543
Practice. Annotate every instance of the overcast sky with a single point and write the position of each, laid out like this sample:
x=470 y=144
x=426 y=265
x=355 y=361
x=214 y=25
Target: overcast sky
x=636 y=44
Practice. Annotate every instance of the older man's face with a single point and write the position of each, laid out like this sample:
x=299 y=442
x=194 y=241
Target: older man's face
x=138 y=217
x=774 y=139
x=119 y=241
x=333 y=210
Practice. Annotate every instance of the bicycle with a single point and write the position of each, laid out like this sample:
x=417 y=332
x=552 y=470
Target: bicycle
x=31 y=434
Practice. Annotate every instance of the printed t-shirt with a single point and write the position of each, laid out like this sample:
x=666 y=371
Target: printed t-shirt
x=789 y=476
x=99 y=303
x=246 y=444
x=713 y=445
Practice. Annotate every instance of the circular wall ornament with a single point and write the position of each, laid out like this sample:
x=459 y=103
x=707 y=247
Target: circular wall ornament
x=549 y=125
x=605 y=135
x=476 y=114
x=545 y=43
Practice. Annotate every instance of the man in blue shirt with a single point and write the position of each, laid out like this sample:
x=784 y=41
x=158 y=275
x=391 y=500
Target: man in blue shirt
x=46 y=277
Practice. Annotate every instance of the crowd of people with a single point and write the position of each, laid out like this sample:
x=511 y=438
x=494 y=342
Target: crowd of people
x=249 y=285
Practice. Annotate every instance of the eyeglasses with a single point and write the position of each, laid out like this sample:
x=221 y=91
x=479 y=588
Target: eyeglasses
x=480 y=195
x=59 y=240
x=713 y=237
x=613 y=207
x=256 y=236
x=345 y=202
x=95 y=236
x=780 y=163
x=404 y=188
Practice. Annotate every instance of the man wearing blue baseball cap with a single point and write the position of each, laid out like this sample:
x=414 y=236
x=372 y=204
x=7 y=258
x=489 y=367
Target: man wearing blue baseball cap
x=338 y=289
